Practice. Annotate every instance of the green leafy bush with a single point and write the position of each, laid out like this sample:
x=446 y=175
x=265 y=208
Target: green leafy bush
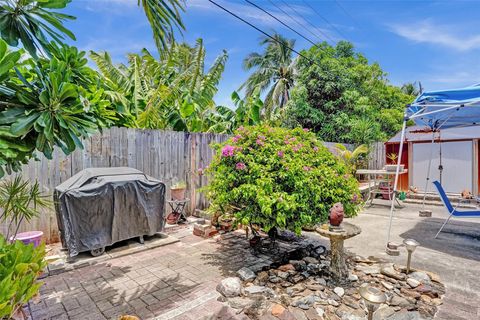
x=20 y=266
x=282 y=178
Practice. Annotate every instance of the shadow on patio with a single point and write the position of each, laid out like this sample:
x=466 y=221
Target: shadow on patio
x=139 y=285
x=458 y=238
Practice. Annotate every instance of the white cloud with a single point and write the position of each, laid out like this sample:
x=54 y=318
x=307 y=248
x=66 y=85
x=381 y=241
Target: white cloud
x=443 y=35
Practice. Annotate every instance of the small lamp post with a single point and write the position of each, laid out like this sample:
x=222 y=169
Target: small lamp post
x=373 y=298
x=410 y=245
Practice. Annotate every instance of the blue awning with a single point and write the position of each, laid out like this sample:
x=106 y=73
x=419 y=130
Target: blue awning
x=447 y=108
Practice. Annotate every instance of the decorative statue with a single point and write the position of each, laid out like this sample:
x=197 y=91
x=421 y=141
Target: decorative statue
x=336 y=214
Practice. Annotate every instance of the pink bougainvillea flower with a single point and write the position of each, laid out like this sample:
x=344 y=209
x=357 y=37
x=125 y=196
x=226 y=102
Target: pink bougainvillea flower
x=280 y=154
x=228 y=151
x=297 y=147
x=240 y=166
x=236 y=138
x=354 y=198
x=306 y=129
x=315 y=148
x=307 y=168
x=260 y=142
x=346 y=176
x=261 y=137
x=200 y=171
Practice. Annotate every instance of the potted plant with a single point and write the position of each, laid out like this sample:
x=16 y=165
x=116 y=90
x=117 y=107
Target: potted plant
x=392 y=166
x=177 y=191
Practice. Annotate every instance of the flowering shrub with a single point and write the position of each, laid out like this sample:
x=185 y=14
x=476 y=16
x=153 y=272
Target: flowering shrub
x=282 y=178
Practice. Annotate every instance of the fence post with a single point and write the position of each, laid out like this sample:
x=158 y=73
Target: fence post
x=191 y=172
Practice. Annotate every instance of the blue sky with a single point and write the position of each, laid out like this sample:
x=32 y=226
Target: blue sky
x=435 y=42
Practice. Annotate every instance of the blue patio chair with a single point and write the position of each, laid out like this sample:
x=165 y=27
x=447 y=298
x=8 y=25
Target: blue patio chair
x=453 y=211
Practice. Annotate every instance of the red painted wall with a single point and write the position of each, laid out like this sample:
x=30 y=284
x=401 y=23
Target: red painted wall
x=395 y=148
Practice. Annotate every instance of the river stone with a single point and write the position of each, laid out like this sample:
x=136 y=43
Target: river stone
x=239 y=302
x=349 y=301
x=286 y=267
x=413 y=282
x=262 y=277
x=252 y=290
x=274 y=279
x=399 y=301
x=387 y=285
x=353 y=277
x=320 y=312
x=298 y=314
x=299 y=265
x=277 y=310
x=408 y=315
x=230 y=287
x=389 y=271
x=333 y=302
x=383 y=312
x=308 y=300
x=310 y=260
x=420 y=276
x=339 y=291
x=369 y=269
x=283 y=275
x=246 y=274
x=321 y=281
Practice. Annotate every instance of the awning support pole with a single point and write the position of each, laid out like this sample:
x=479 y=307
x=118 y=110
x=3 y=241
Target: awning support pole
x=397 y=173
x=428 y=170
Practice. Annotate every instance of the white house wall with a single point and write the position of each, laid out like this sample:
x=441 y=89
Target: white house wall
x=457 y=162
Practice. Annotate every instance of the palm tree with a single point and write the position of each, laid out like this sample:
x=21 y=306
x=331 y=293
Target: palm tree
x=413 y=89
x=274 y=72
x=163 y=16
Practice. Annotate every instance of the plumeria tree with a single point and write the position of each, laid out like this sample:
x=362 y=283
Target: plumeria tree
x=274 y=177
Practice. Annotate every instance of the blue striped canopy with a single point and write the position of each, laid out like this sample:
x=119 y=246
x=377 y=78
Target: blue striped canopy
x=447 y=108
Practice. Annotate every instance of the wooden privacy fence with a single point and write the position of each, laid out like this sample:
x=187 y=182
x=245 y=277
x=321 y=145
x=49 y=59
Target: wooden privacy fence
x=166 y=155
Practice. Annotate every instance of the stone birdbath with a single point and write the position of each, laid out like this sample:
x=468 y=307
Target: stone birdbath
x=337 y=236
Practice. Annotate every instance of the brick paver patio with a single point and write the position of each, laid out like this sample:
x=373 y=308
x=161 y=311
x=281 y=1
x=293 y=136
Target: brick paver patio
x=173 y=282
x=178 y=281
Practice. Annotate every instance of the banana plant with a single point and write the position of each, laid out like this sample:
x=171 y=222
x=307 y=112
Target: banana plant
x=172 y=92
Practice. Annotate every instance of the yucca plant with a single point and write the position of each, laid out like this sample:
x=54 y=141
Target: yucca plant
x=20 y=201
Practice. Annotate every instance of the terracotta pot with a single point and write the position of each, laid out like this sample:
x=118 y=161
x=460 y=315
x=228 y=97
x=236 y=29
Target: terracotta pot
x=177 y=193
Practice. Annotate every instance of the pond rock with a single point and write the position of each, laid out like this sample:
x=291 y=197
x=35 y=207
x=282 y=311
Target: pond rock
x=420 y=277
x=246 y=274
x=230 y=287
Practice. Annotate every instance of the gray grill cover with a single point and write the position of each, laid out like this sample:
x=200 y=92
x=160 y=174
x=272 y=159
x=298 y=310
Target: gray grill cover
x=100 y=206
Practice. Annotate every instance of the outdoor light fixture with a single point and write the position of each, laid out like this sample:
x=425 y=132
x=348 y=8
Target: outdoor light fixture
x=410 y=245
x=373 y=298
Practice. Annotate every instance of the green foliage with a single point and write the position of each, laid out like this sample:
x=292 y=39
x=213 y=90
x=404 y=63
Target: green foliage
x=352 y=159
x=48 y=102
x=20 y=200
x=343 y=98
x=34 y=24
x=276 y=177
x=247 y=112
x=274 y=73
x=20 y=266
x=174 y=92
